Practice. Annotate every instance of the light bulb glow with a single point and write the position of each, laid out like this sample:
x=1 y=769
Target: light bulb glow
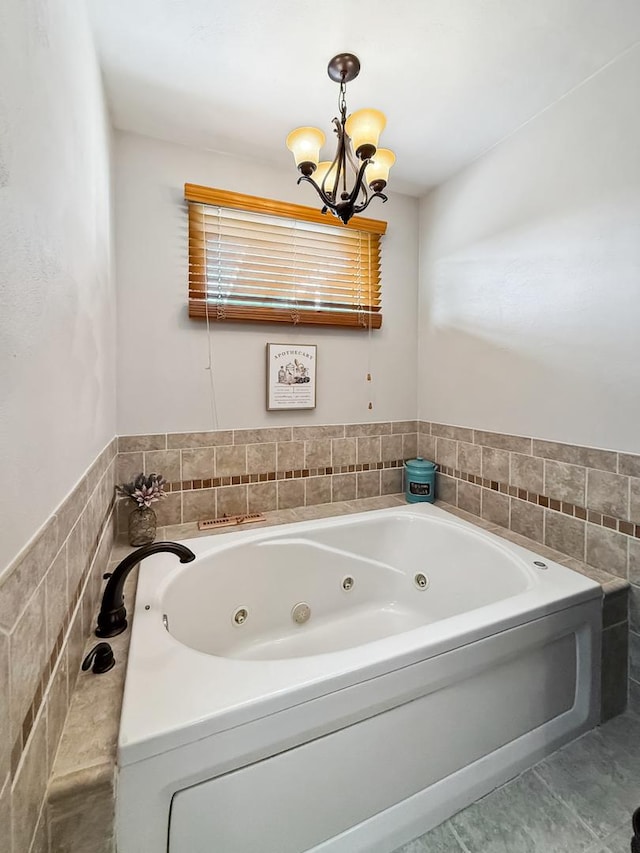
x=319 y=176
x=305 y=144
x=378 y=169
x=364 y=128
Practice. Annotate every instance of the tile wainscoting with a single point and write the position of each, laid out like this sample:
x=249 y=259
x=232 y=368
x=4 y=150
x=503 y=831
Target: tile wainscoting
x=581 y=501
x=232 y=472
x=47 y=600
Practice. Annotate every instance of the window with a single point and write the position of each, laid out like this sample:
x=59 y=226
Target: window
x=254 y=259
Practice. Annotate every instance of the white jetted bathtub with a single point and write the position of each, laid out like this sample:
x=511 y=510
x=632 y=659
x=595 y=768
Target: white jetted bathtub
x=346 y=684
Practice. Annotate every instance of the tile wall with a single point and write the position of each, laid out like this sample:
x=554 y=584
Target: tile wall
x=582 y=501
x=229 y=472
x=47 y=599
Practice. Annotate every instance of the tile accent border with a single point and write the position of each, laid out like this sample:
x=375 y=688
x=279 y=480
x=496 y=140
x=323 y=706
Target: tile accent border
x=47 y=598
x=581 y=501
x=581 y=512
x=226 y=472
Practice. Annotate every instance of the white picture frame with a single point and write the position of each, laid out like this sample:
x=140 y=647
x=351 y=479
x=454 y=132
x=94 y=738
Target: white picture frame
x=291 y=376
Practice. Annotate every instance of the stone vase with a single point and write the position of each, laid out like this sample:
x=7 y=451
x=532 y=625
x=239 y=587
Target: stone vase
x=142 y=526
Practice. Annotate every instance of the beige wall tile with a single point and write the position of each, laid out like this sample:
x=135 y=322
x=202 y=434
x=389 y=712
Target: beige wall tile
x=129 y=443
x=495 y=507
x=317 y=490
x=40 y=843
x=527 y=519
x=469 y=497
x=367 y=484
x=391 y=481
x=231 y=461
x=427 y=446
x=6 y=739
x=290 y=456
x=634 y=561
x=262 y=497
x=5 y=811
x=424 y=427
x=169 y=510
x=314 y=433
x=290 y=493
x=198 y=464
x=343 y=486
x=57 y=705
x=607 y=549
x=231 y=500
x=447 y=489
x=495 y=464
x=446 y=452
x=199 y=505
x=404 y=426
x=164 y=462
x=565 y=534
x=76 y=553
x=608 y=493
x=469 y=458
x=71 y=508
x=128 y=466
x=261 y=436
x=85 y=822
x=29 y=787
x=409 y=445
x=75 y=646
x=527 y=472
x=367 y=429
x=56 y=597
x=455 y=432
x=565 y=482
x=629 y=463
x=22 y=577
x=180 y=440
x=634 y=500
x=368 y=449
x=391 y=448
x=27 y=656
x=261 y=458
x=317 y=453
x=343 y=451
x=502 y=441
x=588 y=457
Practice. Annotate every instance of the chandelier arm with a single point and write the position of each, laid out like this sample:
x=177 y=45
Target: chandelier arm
x=326 y=199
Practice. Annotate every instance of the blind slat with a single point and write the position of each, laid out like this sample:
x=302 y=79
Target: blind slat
x=248 y=265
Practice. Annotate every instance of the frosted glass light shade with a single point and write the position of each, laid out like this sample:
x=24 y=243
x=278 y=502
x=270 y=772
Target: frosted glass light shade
x=378 y=170
x=364 y=127
x=319 y=175
x=305 y=143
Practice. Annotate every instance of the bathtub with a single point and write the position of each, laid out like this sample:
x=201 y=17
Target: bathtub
x=344 y=685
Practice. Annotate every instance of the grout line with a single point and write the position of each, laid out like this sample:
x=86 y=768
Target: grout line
x=557 y=796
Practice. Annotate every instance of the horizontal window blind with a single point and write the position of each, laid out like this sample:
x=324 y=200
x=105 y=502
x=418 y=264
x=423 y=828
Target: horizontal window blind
x=253 y=259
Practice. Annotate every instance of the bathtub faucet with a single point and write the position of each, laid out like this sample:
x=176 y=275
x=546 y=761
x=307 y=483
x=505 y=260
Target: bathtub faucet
x=112 y=618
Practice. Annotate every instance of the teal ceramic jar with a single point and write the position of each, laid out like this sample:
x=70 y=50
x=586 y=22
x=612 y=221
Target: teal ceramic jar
x=420 y=480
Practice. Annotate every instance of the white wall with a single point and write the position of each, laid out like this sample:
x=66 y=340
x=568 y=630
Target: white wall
x=530 y=276
x=57 y=298
x=163 y=384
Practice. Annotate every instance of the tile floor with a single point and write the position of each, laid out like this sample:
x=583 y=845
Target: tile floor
x=579 y=800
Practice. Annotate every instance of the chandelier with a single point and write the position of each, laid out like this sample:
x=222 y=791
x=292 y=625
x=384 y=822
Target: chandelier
x=359 y=171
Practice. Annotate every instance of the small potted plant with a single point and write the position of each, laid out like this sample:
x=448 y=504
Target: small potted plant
x=143 y=491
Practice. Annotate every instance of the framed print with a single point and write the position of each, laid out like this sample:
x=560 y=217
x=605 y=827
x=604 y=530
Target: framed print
x=291 y=376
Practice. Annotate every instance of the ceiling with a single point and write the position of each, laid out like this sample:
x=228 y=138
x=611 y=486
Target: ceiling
x=454 y=77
